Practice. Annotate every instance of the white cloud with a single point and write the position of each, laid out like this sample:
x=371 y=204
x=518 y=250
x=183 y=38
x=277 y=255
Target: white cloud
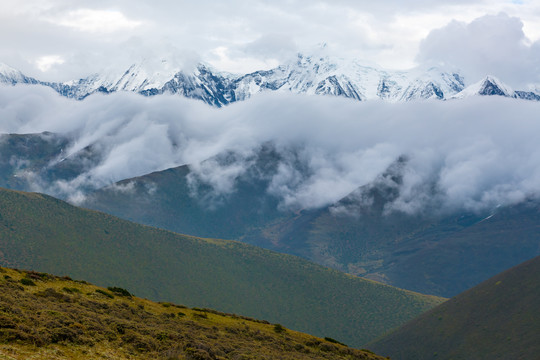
x=95 y=21
x=44 y=63
x=238 y=35
x=490 y=45
x=476 y=152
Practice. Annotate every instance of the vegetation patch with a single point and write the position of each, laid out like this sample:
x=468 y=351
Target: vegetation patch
x=51 y=320
x=119 y=291
x=27 y=282
x=107 y=294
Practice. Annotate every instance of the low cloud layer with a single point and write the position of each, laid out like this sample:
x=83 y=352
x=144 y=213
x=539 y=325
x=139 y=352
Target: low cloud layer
x=479 y=152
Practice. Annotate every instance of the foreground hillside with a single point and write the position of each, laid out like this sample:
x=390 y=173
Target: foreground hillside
x=45 y=234
x=498 y=319
x=48 y=317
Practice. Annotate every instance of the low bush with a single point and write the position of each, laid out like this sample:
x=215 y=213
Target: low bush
x=329 y=339
x=27 y=282
x=119 y=291
x=278 y=328
x=71 y=290
x=103 y=292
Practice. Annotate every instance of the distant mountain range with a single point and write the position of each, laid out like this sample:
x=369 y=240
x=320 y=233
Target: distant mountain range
x=313 y=75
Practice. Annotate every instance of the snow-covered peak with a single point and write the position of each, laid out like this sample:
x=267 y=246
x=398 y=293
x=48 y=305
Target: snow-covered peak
x=9 y=75
x=315 y=74
x=8 y=70
x=488 y=86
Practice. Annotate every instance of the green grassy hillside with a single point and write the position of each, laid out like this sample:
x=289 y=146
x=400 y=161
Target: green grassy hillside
x=498 y=319
x=45 y=234
x=430 y=252
x=48 y=317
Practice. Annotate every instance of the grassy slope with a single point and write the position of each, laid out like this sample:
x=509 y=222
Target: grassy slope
x=45 y=234
x=47 y=317
x=428 y=253
x=498 y=319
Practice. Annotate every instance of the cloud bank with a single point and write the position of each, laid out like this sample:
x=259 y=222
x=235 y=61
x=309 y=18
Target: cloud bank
x=238 y=36
x=489 y=45
x=479 y=152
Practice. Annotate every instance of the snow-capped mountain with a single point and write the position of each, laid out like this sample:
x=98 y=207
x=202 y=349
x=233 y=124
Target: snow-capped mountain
x=9 y=75
x=492 y=86
x=312 y=75
x=488 y=86
x=333 y=76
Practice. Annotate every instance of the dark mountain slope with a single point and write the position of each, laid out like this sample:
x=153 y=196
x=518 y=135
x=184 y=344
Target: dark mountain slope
x=22 y=155
x=498 y=319
x=441 y=254
x=42 y=233
x=434 y=252
x=170 y=199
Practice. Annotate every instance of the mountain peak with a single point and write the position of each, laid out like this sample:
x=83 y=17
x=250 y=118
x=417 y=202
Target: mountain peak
x=12 y=76
x=314 y=73
x=488 y=86
x=5 y=68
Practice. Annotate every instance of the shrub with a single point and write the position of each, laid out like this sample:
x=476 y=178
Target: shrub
x=197 y=354
x=27 y=282
x=329 y=339
x=37 y=275
x=51 y=293
x=278 y=328
x=119 y=291
x=71 y=290
x=328 y=347
x=103 y=292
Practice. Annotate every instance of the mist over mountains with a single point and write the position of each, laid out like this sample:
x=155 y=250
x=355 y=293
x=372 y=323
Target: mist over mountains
x=474 y=153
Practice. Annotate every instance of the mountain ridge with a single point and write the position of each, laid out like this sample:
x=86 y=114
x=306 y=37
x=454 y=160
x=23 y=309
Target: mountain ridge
x=312 y=75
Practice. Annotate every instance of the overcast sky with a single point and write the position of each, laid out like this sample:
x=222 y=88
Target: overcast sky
x=65 y=39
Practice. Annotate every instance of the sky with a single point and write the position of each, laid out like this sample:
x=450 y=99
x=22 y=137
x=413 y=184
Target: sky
x=60 y=40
